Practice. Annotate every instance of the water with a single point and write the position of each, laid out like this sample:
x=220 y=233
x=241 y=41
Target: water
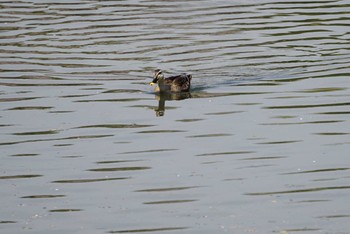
x=260 y=145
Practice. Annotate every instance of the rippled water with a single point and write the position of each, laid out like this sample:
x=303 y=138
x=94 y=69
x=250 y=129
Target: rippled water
x=260 y=145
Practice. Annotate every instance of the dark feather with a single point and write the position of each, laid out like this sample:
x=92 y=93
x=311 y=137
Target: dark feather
x=178 y=83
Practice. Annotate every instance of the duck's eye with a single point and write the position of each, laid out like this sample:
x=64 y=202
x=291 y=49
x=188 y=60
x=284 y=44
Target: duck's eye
x=157 y=74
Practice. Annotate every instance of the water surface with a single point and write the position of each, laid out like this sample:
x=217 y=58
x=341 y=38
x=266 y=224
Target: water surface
x=260 y=145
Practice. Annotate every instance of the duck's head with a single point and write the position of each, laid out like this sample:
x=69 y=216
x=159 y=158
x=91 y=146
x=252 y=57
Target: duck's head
x=158 y=75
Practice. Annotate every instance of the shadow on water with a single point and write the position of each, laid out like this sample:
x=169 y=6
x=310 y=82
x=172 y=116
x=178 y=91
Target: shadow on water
x=201 y=85
x=197 y=92
x=162 y=97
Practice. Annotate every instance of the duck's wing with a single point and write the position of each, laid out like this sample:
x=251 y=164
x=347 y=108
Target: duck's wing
x=179 y=79
x=172 y=79
x=182 y=83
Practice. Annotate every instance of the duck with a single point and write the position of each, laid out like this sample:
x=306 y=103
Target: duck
x=178 y=83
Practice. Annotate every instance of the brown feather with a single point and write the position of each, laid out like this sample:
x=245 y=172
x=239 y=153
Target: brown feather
x=179 y=83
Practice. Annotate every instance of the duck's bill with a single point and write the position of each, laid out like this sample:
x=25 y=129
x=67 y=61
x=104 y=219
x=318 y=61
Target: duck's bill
x=154 y=81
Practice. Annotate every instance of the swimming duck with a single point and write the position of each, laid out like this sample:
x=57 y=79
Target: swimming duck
x=179 y=83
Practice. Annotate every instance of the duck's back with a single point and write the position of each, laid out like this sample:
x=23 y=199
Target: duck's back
x=180 y=83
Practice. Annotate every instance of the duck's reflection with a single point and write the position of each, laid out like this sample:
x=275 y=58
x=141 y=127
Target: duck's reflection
x=162 y=97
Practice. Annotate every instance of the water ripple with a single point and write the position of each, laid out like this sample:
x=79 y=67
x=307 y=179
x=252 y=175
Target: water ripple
x=43 y=196
x=119 y=169
x=163 y=229
x=74 y=181
x=167 y=189
x=270 y=93
x=27 y=176
x=308 y=190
